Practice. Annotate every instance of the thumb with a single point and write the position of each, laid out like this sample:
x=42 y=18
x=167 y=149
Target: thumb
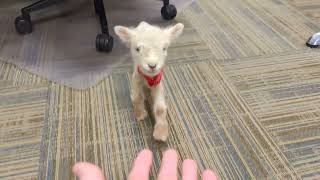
x=87 y=171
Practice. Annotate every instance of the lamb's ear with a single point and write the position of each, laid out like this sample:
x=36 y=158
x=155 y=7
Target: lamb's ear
x=124 y=33
x=174 y=31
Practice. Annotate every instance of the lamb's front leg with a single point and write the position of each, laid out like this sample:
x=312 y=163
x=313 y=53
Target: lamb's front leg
x=138 y=98
x=161 y=128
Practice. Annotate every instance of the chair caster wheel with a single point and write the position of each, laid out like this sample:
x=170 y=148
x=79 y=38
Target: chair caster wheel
x=168 y=12
x=104 y=43
x=23 y=25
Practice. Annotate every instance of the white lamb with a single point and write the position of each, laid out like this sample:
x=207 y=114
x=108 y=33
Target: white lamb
x=148 y=45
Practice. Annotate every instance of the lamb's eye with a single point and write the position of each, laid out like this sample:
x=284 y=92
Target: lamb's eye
x=138 y=49
x=164 y=49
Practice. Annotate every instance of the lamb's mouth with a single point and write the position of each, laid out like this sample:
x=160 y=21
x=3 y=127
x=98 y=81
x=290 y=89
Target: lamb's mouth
x=151 y=72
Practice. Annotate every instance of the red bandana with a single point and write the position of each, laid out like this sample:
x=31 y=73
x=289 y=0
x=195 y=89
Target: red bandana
x=152 y=81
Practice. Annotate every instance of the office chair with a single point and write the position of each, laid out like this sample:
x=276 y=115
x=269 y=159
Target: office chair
x=104 y=41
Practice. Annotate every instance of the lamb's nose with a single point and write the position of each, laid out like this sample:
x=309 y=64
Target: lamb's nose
x=152 y=66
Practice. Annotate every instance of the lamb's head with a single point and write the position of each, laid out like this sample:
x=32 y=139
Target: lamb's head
x=148 y=44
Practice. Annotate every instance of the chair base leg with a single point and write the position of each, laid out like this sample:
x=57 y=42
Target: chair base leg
x=104 y=41
x=23 y=22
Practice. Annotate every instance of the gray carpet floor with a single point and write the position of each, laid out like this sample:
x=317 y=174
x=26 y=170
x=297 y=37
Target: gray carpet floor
x=243 y=93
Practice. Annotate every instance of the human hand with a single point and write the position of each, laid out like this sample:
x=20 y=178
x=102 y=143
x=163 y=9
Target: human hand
x=142 y=165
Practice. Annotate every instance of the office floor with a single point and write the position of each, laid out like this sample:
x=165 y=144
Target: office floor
x=62 y=44
x=244 y=100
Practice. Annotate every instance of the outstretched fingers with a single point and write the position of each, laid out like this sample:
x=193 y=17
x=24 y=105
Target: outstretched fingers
x=208 y=175
x=189 y=170
x=87 y=171
x=168 y=170
x=141 y=166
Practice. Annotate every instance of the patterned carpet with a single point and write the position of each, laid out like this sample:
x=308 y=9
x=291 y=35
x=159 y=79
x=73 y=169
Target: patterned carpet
x=309 y=7
x=243 y=97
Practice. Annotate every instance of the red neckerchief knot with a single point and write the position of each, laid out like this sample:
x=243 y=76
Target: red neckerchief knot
x=152 y=81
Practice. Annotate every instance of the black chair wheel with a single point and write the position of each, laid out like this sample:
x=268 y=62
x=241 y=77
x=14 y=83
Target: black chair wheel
x=23 y=25
x=104 y=43
x=168 y=12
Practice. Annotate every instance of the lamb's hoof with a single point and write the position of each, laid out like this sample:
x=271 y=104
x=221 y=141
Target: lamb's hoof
x=140 y=114
x=161 y=132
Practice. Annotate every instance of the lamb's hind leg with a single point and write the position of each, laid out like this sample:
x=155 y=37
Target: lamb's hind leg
x=161 y=128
